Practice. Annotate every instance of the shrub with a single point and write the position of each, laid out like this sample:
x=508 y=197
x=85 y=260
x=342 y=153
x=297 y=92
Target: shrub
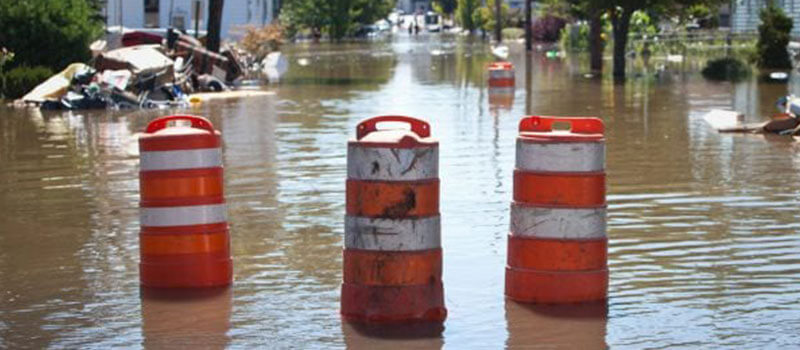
x=773 y=37
x=547 y=28
x=19 y=81
x=575 y=37
x=513 y=33
x=48 y=33
x=727 y=68
x=260 y=42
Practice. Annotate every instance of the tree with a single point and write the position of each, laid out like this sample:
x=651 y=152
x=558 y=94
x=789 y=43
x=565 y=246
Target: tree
x=499 y=15
x=773 y=37
x=305 y=14
x=487 y=16
x=593 y=12
x=340 y=18
x=621 y=11
x=367 y=12
x=445 y=7
x=48 y=33
x=214 y=24
x=465 y=12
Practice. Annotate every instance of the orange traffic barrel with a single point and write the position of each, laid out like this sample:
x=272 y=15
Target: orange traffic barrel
x=557 y=246
x=501 y=75
x=392 y=247
x=184 y=239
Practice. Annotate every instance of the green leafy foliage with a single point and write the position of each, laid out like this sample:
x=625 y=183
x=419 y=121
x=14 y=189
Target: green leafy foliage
x=575 y=36
x=773 y=37
x=513 y=33
x=445 y=7
x=465 y=14
x=339 y=18
x=20 y=80
x=621 y=13
x=486 y=15
x=642 y=25
x=48 y=33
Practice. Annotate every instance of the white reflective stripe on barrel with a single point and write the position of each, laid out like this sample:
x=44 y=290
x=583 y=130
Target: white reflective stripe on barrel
x=505 y=90
x=392 y=164
x=182 y=216
x=558 y=223
x=392 y=234
x=181 y=159
x=561 y=156
x=501 y=74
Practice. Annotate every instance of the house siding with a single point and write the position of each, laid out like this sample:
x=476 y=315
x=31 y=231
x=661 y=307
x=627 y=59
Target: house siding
x=745 y=15
x=234 y=13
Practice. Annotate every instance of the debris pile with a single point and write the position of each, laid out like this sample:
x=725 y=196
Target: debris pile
x=139 y=70
x=787 y=122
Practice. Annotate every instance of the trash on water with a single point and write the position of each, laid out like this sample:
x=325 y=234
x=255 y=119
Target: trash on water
x=116 y=78
x=779 y=76
x=787 y=122
x=274 y=66
x=143 y=59
x=56 y=86
x=148 y=69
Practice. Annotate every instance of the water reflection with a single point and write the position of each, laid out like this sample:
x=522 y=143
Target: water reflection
x=413 y=336
x=197 y=319
x=703 y=226
x=570 y=326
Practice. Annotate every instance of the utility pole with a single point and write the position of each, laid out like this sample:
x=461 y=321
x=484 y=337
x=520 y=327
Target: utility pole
x=196 y=6
x=214 y=24
x=498 y=30
x=528 y=34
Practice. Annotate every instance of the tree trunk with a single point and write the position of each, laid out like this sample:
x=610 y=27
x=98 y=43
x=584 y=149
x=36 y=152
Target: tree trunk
x=621 y=23
x=498 y=21
x=596 y=42
x=214 y=24
x=528 y=34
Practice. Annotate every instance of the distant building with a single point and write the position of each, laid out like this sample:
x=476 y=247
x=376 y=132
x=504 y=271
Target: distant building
x=180 y=14
x=516 y=4
x=414 y=6
x=744 y=14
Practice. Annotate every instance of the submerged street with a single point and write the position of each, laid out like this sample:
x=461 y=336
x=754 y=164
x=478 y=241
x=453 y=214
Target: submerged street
x=704 y=249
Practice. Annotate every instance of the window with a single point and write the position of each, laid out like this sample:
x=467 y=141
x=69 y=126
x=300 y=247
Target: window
x=151 y=13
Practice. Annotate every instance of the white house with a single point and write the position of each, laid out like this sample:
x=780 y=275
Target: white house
x=181 y=14
x=744 y=14
x=414 y=6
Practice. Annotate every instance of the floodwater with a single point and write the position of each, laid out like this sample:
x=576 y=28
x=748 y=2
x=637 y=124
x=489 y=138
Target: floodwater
x=704 y=228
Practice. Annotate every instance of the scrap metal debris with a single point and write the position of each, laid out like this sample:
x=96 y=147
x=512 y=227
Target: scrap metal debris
x=139 y=70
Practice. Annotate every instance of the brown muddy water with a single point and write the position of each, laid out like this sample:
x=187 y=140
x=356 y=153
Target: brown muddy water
x=704 y=230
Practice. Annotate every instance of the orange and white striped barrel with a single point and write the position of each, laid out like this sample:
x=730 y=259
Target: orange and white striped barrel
x=392 y=246
x=557 y=246
x=501 y=75
x=184 y=239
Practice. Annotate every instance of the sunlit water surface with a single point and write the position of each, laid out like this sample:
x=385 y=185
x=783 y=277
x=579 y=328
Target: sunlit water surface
x=704 y=232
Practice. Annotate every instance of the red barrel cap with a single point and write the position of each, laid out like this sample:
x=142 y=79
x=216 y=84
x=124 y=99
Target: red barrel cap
x=581 y=129
x=417 y=135
x=161 y=136
x=501 y=65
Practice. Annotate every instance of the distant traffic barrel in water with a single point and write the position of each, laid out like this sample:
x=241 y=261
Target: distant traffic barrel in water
x=392 y=246
x=557 y=246
x=501 y=75
x=501 y=85
x=184 y=239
